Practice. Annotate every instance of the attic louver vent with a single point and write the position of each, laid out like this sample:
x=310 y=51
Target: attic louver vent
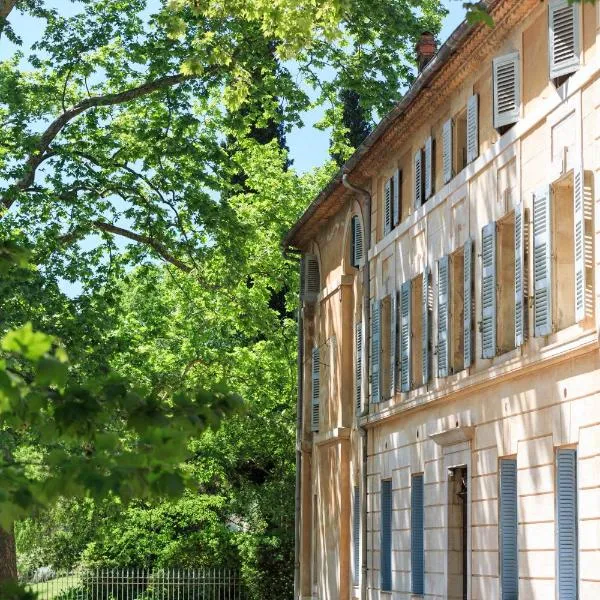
x=310 y=278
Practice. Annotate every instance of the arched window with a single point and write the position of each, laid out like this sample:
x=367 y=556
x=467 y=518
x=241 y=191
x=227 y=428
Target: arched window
x=356 y=250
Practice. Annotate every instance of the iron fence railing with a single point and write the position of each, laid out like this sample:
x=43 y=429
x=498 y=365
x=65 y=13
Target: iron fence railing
x=137 y=584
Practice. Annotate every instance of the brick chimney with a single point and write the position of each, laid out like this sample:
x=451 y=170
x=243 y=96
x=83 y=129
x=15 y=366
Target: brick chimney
x=426 y=48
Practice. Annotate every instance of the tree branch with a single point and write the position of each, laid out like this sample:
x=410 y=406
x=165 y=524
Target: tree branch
x=5 y=7
x=39 y=154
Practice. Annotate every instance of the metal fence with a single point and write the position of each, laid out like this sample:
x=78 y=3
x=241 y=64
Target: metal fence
x=137 y=584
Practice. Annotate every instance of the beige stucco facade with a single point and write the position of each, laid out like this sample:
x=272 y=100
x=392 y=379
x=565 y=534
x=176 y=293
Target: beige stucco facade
x=525 y=403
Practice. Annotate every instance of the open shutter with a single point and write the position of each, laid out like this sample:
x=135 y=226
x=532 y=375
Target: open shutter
x=443 y=321
x=358 y=368
x=376 y=351
x=405 y=331
x=447 y=152
x=473 y=128
x=567 y=522
x=418 y=178
x=564 y=37
x=488 y=291
x=397 y=212
x=387 y=207
x=426 y=325
x=468 y=303
x=386 y=535
x=417 y=554
x=428 y=168
x=542 y=262
x=507 y=93
x=394 y=344
x=509 y=558
x=316 y=389
x=579 y=238
x=311 y=279
x=356 y=535
x=357 y=242
x=520 y=299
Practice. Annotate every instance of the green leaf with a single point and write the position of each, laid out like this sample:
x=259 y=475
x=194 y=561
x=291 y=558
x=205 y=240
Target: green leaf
x=26 y=342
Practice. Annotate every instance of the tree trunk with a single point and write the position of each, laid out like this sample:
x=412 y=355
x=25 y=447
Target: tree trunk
x=8 y=555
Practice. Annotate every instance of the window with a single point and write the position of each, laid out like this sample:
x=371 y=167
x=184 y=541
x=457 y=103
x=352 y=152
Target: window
x=386 y=347
x=505 y=250
x=448 y=150
x=358 y=364
x=356 y=250
x=429 y=159
x=472 y=125
x=356 y=535
x=506 y=91
x=405 y=330
x=376 y=351
x=397 y=208
x=386 y=535
x=416 y=332
x=509 y=557
x=315 y=391
x=564 y=39
x=310 y=276
x=567 y=523
x=417 y=534
x=488 y=291
x=460 y=143
x=392 y=202
x=419 y=177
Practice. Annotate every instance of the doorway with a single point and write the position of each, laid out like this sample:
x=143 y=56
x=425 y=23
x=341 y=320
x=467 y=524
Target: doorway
x=458 y=495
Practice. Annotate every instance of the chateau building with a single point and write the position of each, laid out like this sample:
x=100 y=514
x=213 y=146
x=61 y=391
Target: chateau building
x=449 y=397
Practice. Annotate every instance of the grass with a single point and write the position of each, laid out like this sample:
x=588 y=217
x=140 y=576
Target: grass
x=48 y=590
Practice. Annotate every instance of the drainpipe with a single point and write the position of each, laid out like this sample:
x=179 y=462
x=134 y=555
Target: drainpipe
x=367 y=330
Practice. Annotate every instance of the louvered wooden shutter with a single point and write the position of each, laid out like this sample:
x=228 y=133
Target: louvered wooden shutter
x=509 y=557
x=311 y=281
x=520 y=298
x=386 y=535
x=507 y=92
x=567 y=523
x=417 y=534
x=357 y=242
x=488 y=291
x=428 y=168
x=376 y=351
x=387 y=207
x=358 y=365
x=405 y=332
x=426 y=326
x=356 y=535
x=579 y=239
x=443 y=317
x=542 y=262
x=418 y=178
x=468 y=303
x=397 y=196
x=447 y=151
x=564 y=37
x=316 y=389
x=394 y=344
x=473 y=128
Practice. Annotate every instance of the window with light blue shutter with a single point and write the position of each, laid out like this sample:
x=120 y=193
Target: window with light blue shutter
x=356 y=254
x=488 y=291
x=542 y=262
x=509 y=556
x=567 y=523
x=316 y=389
x=405 y=333
x=356 y=536
x=394 y=344
x=397 y=212
x=579 y=239
x=520 y=276
x=376 y=351
x=417 y=534
x=443 y=317
x=387 y=206
x=358 y=365
x=426 y=326
x=386 y=535
x=468 y=303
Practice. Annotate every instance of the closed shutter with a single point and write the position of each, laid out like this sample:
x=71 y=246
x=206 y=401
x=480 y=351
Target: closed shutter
x=443 y=320
x=394 y=344
x=447 y=151
x=520 y=298
x=468 y=303
x=542 y=262
x=387 y=207
x=428 y=168
x=386 y=535
x=405 y=331
x=358 y=368
x=357 y=242
x=473 y=128
x=579 y=238
x=417 y=554
x=376 y=351
x=426 y=326
x=316 y=389
x=397 y=196
x=356 y=535
x=567 y=523
x=418 y=178
x=507 y=93
x=488 y=291
x=311 y=279
x=564 y=37
x=509 y=557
